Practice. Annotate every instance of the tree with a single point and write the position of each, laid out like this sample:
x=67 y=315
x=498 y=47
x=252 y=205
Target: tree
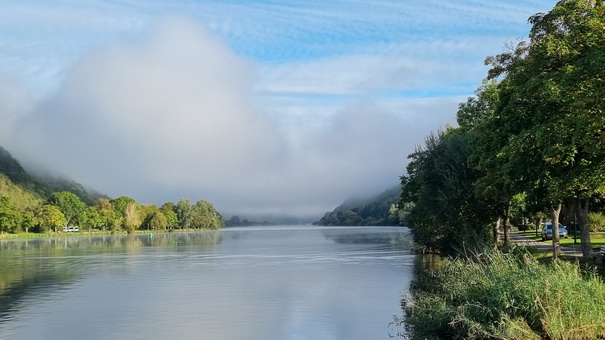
x=10 y=217
x=168 y=210
x=205 y=216
x=475 y=116
x=119 y=204
x=91 y=218
x=28 y=220
x=108 y=216
x=158 y=221
x=551 y=108
x=69 y=204
x=184 y=213
x=446 y=215
x=132 y=217
x=49 y=216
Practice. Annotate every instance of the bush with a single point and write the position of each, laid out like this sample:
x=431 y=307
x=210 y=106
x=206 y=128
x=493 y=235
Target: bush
x=506 y=296
x=596 y=221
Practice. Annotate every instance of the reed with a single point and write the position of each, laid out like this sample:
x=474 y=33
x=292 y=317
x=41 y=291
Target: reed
x=496 y=295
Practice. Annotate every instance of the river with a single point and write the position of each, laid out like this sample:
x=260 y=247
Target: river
x=288 y=282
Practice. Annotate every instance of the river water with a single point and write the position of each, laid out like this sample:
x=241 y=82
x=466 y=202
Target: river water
x=237 y=283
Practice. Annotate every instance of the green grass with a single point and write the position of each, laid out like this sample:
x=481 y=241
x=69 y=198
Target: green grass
x=596 y=239
x=497 y=295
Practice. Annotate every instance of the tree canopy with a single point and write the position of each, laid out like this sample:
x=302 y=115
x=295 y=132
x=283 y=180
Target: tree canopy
x=535 y=127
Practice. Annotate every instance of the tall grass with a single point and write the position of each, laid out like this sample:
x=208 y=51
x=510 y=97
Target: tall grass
x=506 y=296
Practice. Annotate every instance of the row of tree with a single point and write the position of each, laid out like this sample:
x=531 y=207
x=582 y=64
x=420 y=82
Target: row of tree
x=533 y=136
x=64 y=209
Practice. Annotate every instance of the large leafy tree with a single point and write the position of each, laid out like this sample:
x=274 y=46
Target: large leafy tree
x=132 y=217
x=184 y=213
x=158 y=220
x=49 y=216
x=475 y=116
x=168 y=210
x=91 y=218
x=205 y=216
x=119 y=204
x=551 y=109
x=69 y=204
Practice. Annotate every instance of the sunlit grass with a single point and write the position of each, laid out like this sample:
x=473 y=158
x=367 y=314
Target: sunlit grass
x=507 y=296
x=597 y=240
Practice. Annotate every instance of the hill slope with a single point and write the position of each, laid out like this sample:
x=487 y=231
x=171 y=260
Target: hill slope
x=40 y=186
x=377 y=210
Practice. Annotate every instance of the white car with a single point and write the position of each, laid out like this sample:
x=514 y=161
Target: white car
x=547 y=231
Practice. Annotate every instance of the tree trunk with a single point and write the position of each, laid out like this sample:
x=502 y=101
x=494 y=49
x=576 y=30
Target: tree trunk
x=506 y=224
x=581 y=208
x=496 y=231
x=555 y=210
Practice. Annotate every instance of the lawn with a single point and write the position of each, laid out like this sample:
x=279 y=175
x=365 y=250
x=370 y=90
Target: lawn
x=596 y=239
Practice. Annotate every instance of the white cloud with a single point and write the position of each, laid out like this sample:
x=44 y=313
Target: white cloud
x=172 y=116
x=279 y=107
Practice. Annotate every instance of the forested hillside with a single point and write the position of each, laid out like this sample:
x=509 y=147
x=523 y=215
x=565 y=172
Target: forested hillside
x=48 y=203
x=42 y=185
x=377 y=210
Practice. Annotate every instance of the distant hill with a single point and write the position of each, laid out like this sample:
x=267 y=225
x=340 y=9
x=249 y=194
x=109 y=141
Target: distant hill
x=17 y=179
x=376 y=210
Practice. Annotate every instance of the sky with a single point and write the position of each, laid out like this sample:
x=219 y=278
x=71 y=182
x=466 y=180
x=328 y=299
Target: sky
x=260 y=107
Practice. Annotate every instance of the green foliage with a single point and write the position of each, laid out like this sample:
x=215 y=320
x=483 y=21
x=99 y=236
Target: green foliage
x=50 y=217
x=379 y=210
x=42 y=185
x=119 y=204
x=69 y=204
x=158 y=221
x=184 y=213
x=204 y=216
x=22 y=197
x=506 y=296
x=596 y=221
x=91 y=218
x=132 y=218
x=10 y=217
x=535 y=128
x=446 y=214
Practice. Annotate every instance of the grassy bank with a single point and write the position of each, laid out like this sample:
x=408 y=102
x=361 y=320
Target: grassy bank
x=506 y=296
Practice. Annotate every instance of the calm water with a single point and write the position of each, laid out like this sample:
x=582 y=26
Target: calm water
x=248 y=283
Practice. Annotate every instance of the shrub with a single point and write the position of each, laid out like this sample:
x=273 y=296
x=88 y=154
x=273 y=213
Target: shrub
x=596 y=221
x=506 y=296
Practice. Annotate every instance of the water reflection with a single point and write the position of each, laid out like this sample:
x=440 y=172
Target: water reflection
x=246 y=283
x=50 y=263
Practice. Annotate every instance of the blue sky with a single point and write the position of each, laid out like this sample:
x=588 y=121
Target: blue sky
x=257 y=106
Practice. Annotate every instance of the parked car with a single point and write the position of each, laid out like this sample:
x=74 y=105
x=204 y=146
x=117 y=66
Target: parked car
x=547 y=231
x=70 y=229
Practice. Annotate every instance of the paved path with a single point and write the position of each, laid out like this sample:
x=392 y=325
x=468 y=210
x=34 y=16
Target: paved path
x=545 y=246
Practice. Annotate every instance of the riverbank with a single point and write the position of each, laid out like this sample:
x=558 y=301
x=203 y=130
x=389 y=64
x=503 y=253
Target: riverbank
x=7 y=236
x=516 y=294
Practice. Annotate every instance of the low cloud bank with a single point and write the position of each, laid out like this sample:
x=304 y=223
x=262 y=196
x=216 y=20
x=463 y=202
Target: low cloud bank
x=173 y=115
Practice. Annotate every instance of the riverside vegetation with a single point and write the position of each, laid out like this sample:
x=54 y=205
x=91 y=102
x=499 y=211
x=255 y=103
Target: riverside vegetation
x=28 y=204
x=530 y=145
